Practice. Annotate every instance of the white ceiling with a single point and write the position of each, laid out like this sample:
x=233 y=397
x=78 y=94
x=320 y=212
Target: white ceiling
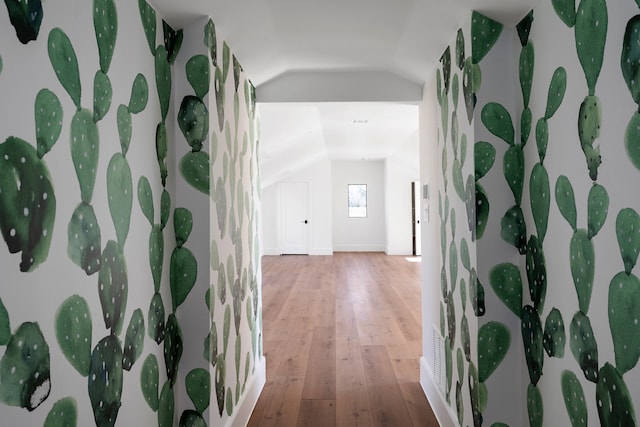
x=271 y=38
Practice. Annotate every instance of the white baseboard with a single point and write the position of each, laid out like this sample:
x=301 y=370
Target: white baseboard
x=271 y=251
x=399 y=251
x=242 y=413
x=359 y=248
x=444 y=414
x=321 y=251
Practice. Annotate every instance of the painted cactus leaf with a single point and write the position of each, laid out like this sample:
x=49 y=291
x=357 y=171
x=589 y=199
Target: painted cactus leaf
x=557 y=88
x=628 y=234
x=566 y=11
x=532 y=337
x=514 y=229
x=465 y=337
x=163 y=80
x=444 y=116
x=195 y=169
x=535 y=408
x=589 y=120
x=484 y=34
x=73 y=332
x=27 y=203
x=494 y=340
x=463 y=149
x=536 y=273
x=85 y=145
x=172 y=41
x=211 y=345
x=134 y=340
x=25 y=374
x=26 y=18
x=149 y=381
x=113 y=287
x=476 y=293
x=48 y=117
x=554 y=338
x=210 y=41
x=165 y=208
x=444 y=281
x=631 y=138
x=237 y=69
x=542 y=138
x=591 y=35
x=182 y=275
x=630 y=59
x=166 y=406
x=540 y=196
x=120 y=195
x=439 y=86
x=220 y=96
x=221 y=207
x=524 y=28
x=84 y=241
x=460 y=53
x=197 y=69
x=145 y=198
x=124 y=128
x=498 y=121
x=574 y=399
x=458 y=181
x=513 y=169
x=459 y=401
x=5 y=325
x=526 y=121
x=105 y=381
x=451 y=317
x=464 y=254
x=182 y=224
x=624 y=305
x=222 y=284
x=220 y=379
x=614 y=401
x=448 y=357
x=64 y=413
x=161 y=151
x=172 y=349
x=193 y=119
x=105 y=22
x=102 y=95
x=156 y=255
x=582 y=265
x=445 y=60
x=481 y=212
x=506 y=283
x=527 y=64
x=148 y=18
x=468 y=89
x=455 y=130
x=156 y=329
x=484 y=155
x=598 y=208
x=139 y=94
x=226 y=327
x=191 y=418
x=583 y=346
x=442 y=320
x=566 y=200
x=475 y=395
x=65 y=63
x=453 y=264
x=198 y=385
x=229 y=403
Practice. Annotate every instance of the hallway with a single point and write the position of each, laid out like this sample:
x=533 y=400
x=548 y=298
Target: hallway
x=342 y=339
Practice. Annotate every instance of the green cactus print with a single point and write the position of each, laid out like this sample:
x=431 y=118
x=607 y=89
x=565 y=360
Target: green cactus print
x=532 y=337
x=149 y=381
x=182 y=275
x=506 y=283
x=484 y=34
x=73 y=332
x=134 y=340
x=64 y=413
x=85 y=146
x=190 y=418
x=172 y=41
x=120 y=195
x=198 y=75
x=124 y=128
x=27 y=203
x=65 y=63
x=139 y=95
x=494 y=340
x=583 y=346
x=557 y=89
x=513 y=169
x=102 y=95
x=113 y=287
x=148 y=18
x=156 y=318
x=105 y=21
x=566 y=201
x=526 y=122
x=527 y=63
x=48 y=117
x=566 y=11
x=220 y=382
x=582 y=265
x=597 y=209
x=534 y=406
x=591 y=35
x=628 y=234
x=615 y=406
x=26 y=18
x=105 y=381
x=498 y=121
x=554 y=339
x=574 y=399
x=589 y=120
x=536 y=273
x=445 y=59
x=484 y=155
x=198 y=384
x=166 y=407
x=540 y=198
x=25 y=373
x=514 y=229
x=163 y=80
x=624 y=302
x=5 y=325
x=172 y=349
x=524 y=28
x=193 y=119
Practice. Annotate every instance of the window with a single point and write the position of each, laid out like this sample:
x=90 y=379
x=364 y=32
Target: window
x=357 y=200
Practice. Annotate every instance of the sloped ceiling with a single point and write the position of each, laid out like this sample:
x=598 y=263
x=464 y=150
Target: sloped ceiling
x=402 y=39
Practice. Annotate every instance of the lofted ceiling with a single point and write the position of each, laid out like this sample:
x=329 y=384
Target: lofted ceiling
x=272 y=39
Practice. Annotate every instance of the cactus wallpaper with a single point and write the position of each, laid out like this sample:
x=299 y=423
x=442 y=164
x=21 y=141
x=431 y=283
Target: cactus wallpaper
x=114 y=306
x=555 y=244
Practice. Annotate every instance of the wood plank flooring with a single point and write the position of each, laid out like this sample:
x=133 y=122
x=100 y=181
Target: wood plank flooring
x=342 y=339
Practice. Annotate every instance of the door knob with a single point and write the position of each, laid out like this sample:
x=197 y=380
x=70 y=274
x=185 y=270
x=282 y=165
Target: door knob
x=306 y=222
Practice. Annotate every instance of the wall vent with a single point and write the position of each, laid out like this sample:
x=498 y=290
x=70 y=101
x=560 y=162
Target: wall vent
x=438 y=357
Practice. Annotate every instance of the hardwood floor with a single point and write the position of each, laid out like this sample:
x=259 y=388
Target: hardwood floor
x=342 y=339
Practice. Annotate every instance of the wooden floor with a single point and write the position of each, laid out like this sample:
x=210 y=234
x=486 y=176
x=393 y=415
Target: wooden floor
x=342 y=339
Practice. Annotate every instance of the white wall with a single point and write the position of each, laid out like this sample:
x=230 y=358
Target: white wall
x=318 y=176
x=359 y=234
x=399 y=174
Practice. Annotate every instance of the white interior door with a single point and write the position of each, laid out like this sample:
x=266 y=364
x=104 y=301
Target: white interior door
x=416 y=213
x=295 y=218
